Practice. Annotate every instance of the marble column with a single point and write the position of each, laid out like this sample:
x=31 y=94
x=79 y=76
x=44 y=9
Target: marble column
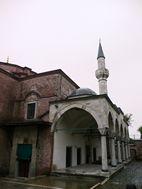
x=123 y=151
x=126 y=149
x=104 y=149
x=113 y=154
x=119 y=151
x=129 y=153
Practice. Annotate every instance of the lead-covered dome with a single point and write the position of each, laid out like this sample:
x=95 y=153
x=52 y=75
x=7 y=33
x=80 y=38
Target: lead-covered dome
x=82 y=92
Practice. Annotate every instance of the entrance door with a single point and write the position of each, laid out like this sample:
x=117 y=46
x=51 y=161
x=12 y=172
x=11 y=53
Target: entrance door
x=78 y=156
x=94 y=155
x=68 y=156
x=24 y=153
x=88 y=154
x=23 y=168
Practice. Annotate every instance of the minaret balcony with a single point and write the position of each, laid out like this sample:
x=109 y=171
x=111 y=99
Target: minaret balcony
x=102 y=73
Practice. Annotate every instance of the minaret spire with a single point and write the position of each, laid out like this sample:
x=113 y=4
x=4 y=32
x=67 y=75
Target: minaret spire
x=102 y=73
x=100 y=50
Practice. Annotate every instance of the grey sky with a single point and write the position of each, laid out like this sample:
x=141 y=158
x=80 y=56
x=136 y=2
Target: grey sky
x=52 y=34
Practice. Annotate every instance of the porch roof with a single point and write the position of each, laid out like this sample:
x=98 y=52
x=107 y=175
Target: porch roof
x=26 y=123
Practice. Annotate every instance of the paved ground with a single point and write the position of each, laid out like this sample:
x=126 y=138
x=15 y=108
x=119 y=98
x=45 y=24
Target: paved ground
x=89 y=170
x=132 y=173
x=50 y=182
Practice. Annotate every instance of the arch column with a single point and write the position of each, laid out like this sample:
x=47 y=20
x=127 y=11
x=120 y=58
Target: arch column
x=123 y=150
x=129 y=154
x=126 y=149
x=119 y=150
x=113 y=153
x=103 y=132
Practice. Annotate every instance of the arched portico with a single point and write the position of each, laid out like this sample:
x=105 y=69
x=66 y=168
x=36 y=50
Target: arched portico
x=80 y=106
x=76 y=138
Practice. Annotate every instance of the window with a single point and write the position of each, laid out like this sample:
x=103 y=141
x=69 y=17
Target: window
x=31 y=110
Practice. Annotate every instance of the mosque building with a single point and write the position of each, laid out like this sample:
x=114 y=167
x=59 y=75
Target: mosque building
x=49 y=124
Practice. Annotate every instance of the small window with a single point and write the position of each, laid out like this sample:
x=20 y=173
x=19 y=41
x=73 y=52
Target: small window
x=31 y=108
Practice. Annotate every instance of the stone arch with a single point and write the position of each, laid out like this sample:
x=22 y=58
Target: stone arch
x=32 y=94
x=61 y=111
x=125 y=132
x=75 y=128
x=31 y=100
x=121 y=131
x=117 y=128
x=110 y=122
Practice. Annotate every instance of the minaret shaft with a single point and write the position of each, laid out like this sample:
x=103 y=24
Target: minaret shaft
x=102 y=86
x=102 y=73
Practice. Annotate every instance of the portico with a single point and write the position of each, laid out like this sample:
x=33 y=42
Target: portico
x=88 y=128
x=84 y=131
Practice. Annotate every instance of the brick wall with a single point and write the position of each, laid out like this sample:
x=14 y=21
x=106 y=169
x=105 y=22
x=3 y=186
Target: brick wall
x=14 y=95
x=136 y=149
x=7 y=96
x=5 y=147
x=139 y=149
x=16 y=70
x=66 y=88
x=44 y=88
x=47 y=88
x=44 y=151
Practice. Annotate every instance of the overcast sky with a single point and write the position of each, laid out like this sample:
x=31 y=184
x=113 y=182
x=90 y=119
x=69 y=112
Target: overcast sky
x=64 y=34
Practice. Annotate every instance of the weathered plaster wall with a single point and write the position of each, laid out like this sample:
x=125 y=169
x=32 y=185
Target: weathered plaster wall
x=63 y=139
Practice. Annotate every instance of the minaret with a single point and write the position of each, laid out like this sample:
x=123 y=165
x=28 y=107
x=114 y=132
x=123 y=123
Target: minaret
x=102 y=73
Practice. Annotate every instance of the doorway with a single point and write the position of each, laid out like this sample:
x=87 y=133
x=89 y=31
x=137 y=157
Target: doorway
x=78 y=156
x=24 y=153
x=94 y=155
x=88 y=154
x=23 y=170
x=68 y=156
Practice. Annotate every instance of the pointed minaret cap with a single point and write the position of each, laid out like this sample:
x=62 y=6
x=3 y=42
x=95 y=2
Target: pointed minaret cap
x=100 y=51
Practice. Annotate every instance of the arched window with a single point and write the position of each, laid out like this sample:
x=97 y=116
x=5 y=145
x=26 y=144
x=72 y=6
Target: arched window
x=31 y=105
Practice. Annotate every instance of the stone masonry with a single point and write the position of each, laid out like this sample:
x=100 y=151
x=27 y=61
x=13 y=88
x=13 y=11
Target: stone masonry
x=20 y=86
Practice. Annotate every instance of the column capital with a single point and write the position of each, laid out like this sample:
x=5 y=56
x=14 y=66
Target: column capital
x=118 y=138
x=112 y=135
x=123 y=139
x=103 y=131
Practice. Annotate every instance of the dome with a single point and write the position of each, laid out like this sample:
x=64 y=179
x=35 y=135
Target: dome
x=82 y=92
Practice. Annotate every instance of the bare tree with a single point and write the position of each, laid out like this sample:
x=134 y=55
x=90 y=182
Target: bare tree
x=128 y=118
x=140 y=130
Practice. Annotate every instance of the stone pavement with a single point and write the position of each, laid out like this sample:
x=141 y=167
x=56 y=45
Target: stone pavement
x=89 y=170
x=49 y=182
x=132 y=173
x=9 y=184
